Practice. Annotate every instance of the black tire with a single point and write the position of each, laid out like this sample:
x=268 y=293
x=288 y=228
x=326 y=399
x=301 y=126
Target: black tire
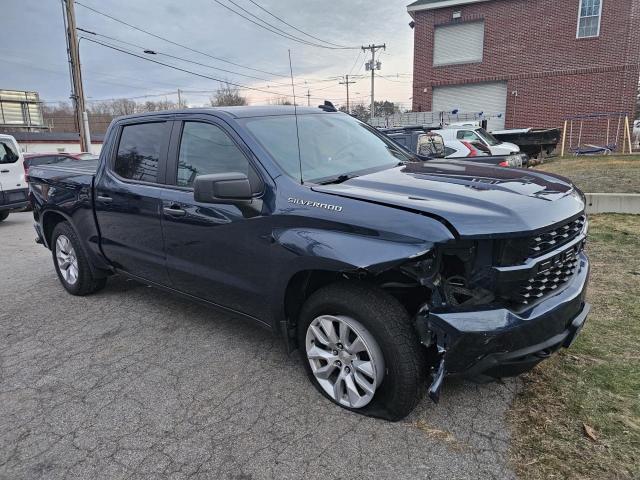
x=86 y=283
x=386 y=319
x=3 y=216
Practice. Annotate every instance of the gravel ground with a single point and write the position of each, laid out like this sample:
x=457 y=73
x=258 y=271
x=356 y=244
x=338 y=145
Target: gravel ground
x=135 y=383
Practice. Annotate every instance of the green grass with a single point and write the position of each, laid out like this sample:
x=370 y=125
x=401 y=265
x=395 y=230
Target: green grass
x=602 y=174
x=596 y=382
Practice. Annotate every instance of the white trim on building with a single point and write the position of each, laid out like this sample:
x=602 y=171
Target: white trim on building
x=442 y=4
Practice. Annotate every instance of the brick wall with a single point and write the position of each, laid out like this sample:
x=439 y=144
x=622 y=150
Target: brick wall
x=532 y=45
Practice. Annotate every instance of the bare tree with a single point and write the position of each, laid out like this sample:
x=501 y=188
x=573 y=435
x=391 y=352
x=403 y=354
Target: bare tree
x=280 y=101
x=150 y=106
x=227 y=96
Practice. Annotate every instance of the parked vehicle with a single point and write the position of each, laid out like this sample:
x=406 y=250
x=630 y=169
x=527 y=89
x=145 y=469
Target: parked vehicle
x=438 y=143
x=84 y=156
x=479 y=136
x=535 y=142
x=382 y=269
x=13 y=188
x=37 y=159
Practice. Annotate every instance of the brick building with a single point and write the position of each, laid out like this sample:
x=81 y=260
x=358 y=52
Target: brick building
x=534 y=61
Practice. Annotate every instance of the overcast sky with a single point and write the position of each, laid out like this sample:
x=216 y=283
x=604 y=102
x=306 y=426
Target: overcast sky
x=33 y=52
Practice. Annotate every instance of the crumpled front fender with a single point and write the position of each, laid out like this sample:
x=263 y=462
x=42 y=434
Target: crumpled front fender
x=351 y=251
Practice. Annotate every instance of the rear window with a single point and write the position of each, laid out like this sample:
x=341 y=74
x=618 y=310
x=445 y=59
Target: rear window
x=8 y=153
x=139 y=152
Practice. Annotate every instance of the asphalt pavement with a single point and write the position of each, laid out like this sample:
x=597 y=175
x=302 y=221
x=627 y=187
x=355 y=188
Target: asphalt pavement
x=133 y=382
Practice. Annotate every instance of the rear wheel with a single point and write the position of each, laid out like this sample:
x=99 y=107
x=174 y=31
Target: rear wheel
x=3 y=216
x=361 y=351
x=71 y=263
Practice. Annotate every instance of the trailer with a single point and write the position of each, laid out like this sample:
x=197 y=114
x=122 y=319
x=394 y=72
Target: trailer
x=535 y=142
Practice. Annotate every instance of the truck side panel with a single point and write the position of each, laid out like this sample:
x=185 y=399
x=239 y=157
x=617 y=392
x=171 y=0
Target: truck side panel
x=66 y=193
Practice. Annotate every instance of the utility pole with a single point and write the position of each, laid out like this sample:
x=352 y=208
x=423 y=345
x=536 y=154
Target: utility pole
x=308 y=97
x=179 y=99
x=77 y=91
x=373 y=66
x=347 y=82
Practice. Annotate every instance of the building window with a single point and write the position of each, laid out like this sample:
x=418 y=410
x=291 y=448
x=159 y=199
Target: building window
x=458 y=43
x=589 y=18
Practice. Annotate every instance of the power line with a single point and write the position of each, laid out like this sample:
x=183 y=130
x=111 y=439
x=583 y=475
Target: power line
x=175 y=43
x=295 y=28
x=244 y=87
x=356 y=62
x=157 y=52
x=274 y=29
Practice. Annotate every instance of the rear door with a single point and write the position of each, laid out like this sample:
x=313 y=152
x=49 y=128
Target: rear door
x=217 y=252
x=128 y=199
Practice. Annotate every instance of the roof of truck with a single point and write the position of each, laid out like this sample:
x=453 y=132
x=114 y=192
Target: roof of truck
x=240 y=112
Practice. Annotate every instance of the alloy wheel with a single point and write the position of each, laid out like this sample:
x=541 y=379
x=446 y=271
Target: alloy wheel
x=345 y=359
x=67 y=260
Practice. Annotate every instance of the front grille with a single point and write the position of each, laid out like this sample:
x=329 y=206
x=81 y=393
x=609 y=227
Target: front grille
x=550 y=276
x=552 y=239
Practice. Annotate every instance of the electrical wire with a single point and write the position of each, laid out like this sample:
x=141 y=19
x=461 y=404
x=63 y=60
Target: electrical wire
x=273 y=29
x=175 y=43
x=296 y=28
x=157 y=52
x=244 y=87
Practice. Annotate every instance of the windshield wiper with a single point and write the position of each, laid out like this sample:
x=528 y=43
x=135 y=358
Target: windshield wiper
x=337 y=179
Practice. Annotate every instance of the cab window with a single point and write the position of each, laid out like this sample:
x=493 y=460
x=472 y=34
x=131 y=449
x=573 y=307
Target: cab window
x=139 y=151
x=468 y=135
x=7 y=153
x=206 y=149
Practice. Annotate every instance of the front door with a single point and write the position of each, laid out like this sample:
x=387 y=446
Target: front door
x=128 y=199
x=11 y=170
x=217 y=252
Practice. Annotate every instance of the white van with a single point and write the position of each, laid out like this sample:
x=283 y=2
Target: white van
x=13 y=187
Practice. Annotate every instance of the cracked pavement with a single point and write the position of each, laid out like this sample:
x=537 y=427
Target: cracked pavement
x=135 y=383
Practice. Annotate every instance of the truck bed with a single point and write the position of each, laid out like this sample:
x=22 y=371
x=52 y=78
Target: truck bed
x=72 y=175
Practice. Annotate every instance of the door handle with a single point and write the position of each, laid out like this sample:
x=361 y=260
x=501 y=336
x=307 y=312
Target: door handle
x=4 y=171
x=174 y=211
x=105 y=199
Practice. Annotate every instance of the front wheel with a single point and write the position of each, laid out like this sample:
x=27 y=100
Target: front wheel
x=3 y=216
x=71 y=263
x=361 y=351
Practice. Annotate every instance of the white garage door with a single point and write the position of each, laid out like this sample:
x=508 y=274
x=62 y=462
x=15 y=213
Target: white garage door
x=490 y=98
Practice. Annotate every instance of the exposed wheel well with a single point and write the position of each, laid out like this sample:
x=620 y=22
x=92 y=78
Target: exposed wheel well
x=301 y=286
x=410 y=294
x=49 y=223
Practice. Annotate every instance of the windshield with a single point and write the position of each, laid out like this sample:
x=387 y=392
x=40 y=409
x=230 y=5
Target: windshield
x=331 y=146
x=487 y=137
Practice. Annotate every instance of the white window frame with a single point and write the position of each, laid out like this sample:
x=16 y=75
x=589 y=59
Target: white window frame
x=581 y=17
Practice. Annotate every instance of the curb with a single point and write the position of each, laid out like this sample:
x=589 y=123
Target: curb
x=613 y=203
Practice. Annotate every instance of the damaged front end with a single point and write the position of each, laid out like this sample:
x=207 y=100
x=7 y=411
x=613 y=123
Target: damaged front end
x=486 y=309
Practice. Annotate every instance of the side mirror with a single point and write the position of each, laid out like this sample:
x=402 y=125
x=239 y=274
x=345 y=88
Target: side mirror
x=222 y=188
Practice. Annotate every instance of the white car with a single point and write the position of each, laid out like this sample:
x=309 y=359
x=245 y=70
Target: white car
x=479 y=137
x=13 y=187
x=636 y=134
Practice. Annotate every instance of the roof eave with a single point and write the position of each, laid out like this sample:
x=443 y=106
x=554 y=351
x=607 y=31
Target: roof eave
x=441 y=4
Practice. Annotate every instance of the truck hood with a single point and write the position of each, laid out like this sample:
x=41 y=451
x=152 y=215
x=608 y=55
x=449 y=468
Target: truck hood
x=508 y=147
x=475 y=200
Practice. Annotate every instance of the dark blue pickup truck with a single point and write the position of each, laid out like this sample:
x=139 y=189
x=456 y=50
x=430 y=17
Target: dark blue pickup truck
x=387 y=272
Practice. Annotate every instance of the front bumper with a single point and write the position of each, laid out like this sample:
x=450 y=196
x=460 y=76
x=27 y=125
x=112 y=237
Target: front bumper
x=14 y=199
x=494 y=343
